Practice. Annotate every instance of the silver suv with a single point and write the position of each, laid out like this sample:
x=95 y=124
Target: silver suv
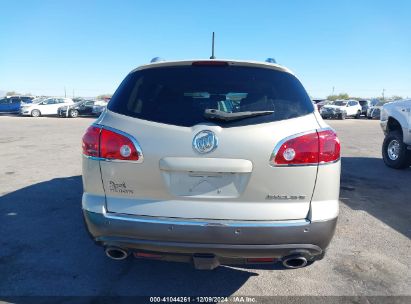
x=212 y=162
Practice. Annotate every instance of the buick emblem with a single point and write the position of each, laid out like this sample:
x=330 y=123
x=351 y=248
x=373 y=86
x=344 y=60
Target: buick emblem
x=205 y=142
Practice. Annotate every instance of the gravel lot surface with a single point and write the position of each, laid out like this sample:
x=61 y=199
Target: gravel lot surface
x=45 y=250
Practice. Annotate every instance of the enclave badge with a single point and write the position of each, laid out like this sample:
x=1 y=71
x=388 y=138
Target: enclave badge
x=205 y=141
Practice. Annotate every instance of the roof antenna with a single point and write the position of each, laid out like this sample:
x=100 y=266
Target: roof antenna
x=212 y=49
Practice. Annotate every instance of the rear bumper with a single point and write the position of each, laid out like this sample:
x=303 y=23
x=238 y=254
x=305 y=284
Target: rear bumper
x=226 y=239
x=9 y=112
x=62 y=114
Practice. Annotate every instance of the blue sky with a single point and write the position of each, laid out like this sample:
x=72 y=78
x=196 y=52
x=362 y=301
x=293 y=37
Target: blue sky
x=358 y=47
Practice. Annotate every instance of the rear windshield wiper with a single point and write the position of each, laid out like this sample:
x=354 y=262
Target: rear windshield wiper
x=221 y=115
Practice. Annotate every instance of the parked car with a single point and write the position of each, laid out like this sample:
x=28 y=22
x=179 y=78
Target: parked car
x=48 y=106
x=211 y=162
x=365 y=105
x=341 y=109
x=99 y=107
x=12 y=104
x=26 y=99
x=78 y=99
x=9 y=105
x=396 y=125
x=322 y=103
x=375 y=111
x=84 y=107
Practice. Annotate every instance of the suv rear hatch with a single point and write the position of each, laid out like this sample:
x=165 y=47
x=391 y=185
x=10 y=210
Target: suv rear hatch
x=163 y=108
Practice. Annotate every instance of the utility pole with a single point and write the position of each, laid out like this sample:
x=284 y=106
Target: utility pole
x=383 y=94
x=333 y=91
x=65 y=92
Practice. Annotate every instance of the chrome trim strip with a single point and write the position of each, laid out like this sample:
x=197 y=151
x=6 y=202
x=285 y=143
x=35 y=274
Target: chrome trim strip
x=93 y=157
x=281 y=142
x=203 y=223
x=133 y=140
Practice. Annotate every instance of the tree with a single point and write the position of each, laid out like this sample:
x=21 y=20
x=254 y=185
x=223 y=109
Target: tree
x=104 y=96
x=12 y=93
x=339 y=96
x=395 y=97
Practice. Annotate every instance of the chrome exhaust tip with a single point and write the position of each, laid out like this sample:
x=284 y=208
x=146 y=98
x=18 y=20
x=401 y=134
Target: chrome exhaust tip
x=294 y=261
x=116 y=253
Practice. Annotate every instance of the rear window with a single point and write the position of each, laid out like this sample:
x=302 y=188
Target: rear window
x=179 y=95
x=340 y=103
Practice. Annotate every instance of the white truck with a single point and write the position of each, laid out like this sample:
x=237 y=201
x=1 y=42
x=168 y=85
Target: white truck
x=395 y=121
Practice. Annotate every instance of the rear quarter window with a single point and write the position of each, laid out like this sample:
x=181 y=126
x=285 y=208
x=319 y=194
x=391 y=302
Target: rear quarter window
x=180 y=95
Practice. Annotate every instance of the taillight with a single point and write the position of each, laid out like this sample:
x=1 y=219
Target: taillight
x=117 y=146
x=329 y=146
x=307 y=149
x=109 y=144
x=91 y=142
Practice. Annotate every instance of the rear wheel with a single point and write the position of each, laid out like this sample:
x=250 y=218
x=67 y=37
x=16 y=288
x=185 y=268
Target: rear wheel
x=342 y=116
x=35 y=113
x=394 y=151
x=357 y=116
x=73 y=113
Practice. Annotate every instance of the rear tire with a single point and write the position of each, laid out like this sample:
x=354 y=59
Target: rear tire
x=342 y=116
x=35 y=113
x=73 y=113
x=394 y=151
x=358 y=115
